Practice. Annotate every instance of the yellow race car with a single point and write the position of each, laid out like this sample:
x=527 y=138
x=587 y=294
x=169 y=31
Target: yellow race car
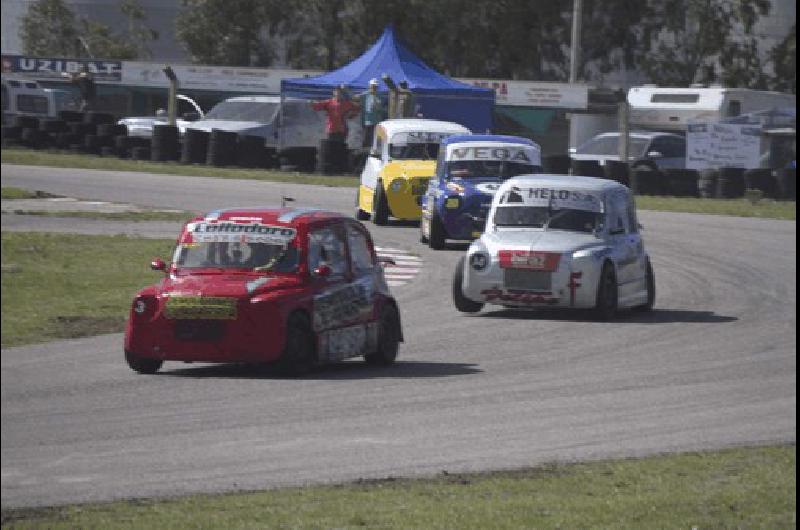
x=400 y=163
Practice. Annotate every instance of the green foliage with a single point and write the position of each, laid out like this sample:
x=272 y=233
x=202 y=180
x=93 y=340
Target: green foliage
x=784 y=60
x=50 y=28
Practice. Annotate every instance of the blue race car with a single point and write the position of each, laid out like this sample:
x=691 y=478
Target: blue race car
x=469 y=170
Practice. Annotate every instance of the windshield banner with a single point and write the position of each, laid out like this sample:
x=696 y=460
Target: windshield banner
x=227 y=232
x=498 y=153
x=553 y=198
x=419 y=137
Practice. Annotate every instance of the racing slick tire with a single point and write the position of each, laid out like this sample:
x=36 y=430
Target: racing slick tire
x=462 y=303
x=650 y=280
x=437 y=236
x=142 y=365
x=361 y=215
x=605 y=308
x=380 y=206
x=298 y=354
x=388 y=338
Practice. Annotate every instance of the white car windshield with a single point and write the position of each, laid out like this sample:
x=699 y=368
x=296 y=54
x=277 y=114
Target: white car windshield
x=544 y=217
x=421 y=151
x=609 y=146
x=262 y=112
x=234 y=255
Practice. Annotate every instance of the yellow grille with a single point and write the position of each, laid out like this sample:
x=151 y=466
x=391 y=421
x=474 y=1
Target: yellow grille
x=192 y=307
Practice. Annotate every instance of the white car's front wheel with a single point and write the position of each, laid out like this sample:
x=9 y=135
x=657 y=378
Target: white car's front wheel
x=462 y=303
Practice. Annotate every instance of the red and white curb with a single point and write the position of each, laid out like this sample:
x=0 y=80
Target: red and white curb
x=405 y=267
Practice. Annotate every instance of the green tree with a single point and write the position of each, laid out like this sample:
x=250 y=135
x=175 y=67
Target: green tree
x=784 y=62
x=50 y=28
x=230 y=32
x=687 y=41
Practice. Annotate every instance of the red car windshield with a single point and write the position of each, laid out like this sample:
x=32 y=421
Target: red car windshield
x=236 y=255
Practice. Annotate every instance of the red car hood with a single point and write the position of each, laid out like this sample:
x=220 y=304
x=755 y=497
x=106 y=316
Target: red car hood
x=225 y=284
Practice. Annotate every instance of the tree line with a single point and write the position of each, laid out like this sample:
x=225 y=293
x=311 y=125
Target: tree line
x=670 y=42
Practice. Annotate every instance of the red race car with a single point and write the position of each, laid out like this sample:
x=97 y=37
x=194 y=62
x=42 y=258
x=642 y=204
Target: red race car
x=297 y=287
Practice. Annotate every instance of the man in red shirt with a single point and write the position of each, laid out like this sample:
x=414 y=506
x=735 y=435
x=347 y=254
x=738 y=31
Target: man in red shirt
x=339 y=109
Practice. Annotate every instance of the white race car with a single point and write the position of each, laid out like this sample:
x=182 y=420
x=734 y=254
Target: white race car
x=558 y=241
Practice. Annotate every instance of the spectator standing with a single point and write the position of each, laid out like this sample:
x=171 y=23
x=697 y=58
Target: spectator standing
x=85 y=83
x=406 y=102
x=339 y=109
x=371 y=111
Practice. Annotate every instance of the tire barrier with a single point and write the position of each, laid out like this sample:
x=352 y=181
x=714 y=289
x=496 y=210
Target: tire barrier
x=730 y=183
x=33 y=137
x=97 y=118
x=92 y=144
x=707 y=183
x=648 y=182
x=681 y=182
x=618 y=171
x=762 y=180
x=221 y=148
x=140 y=153
x=250 y=151
x=26 y=122
x=65 y=139
x=164 y=146
x=107 y=150
x=81 y=129
x=195 y=147
x=332 y=157
x=557 y=164
x=786 y=180
x=111 y=129
x=270 y=158
x=12 y=133
x=70 y=116
x=587 y=168
x=52 y=126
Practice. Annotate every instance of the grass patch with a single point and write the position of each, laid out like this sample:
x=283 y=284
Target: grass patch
x=737 y=488
x=59 y=286
x=19 y=193
x=58 y=159
x=146 y=215
x=764 y=208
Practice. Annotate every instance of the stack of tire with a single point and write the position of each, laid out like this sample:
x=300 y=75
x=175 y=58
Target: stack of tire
x=332 y=157
x=556 y=164
x=786 y=179
x=681 y=182
x=618 y=171
x=107 y=134
x=195 y=147
x=730 y=183
x=23 y=131
x=221 y=148
x=124 y=146
x=93 y=142
x=647 y=180
x=164 y=146
x=587 y=168
x=707 y=183
x=251 y=151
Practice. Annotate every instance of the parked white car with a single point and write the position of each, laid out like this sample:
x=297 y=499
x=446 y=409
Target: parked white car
x=558 y=241
x=646 y=149
x=142 y=126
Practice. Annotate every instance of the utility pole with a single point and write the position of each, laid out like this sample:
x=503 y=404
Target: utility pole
x=575 y=50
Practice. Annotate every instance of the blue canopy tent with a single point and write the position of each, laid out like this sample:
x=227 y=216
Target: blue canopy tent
x=438 y=96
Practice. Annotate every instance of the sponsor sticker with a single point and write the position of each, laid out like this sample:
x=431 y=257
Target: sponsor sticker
x=554 y=198
x=224 y=231
x=527 y=259
x=204 y=307
x=506 y=153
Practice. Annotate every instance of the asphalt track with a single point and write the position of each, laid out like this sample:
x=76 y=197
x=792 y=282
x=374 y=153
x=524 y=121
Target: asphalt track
x=714 y=365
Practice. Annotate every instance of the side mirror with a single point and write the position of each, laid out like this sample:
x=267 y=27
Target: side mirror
x=374 y=153
x=654 y=154
x=158 y=265
x=323 y=271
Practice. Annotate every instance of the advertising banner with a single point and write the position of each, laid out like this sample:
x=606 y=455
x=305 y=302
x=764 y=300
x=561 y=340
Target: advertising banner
x=715 y=145
x=535 y=94
x=54 y=68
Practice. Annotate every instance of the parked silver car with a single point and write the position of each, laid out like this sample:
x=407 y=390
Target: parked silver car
x=646 y=149
x=142 y=126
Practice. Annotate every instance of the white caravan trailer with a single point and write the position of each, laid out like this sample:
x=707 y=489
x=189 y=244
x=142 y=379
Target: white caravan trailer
x=670 y=109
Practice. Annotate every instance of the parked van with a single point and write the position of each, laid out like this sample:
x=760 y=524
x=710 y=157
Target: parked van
x=23 y=97
x=670 y=109
x=289 y=125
